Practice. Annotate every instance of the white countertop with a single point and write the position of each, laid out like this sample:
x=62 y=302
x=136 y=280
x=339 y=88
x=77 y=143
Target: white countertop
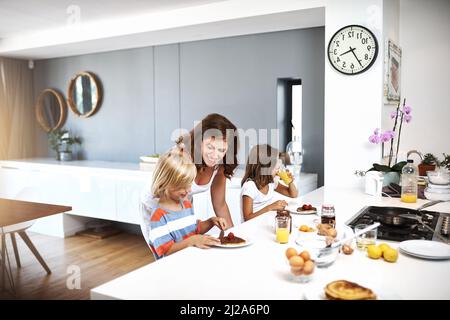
x=260 y=271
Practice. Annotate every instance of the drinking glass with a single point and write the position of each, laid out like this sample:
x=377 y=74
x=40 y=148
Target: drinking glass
x=366 y=239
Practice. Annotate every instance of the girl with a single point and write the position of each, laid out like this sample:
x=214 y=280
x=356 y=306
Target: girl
x=173 y=225
x=258 y=186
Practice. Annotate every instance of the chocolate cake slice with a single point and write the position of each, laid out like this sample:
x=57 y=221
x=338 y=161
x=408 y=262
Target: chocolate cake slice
x=231 y=239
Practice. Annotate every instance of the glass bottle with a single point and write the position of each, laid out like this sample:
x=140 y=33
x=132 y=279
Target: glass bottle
x=328 y=215
x=409 y=182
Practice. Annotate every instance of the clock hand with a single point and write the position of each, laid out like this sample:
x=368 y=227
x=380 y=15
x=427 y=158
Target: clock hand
x=346 y=51
x=353 y=51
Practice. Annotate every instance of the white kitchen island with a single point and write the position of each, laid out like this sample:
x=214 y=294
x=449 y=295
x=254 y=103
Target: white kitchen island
x=260 y=271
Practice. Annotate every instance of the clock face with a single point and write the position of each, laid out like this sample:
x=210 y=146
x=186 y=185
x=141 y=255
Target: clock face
x=352 y=49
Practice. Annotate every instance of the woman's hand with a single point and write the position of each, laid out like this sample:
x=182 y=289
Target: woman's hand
x=277 y=205
x=202 y=241
x=219 y=222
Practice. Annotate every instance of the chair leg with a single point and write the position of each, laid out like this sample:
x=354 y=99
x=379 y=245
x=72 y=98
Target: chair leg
x=3 y=251
x=33 y=249
x=16 y=252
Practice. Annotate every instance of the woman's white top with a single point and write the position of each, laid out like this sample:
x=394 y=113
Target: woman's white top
x=260 y=200
x=195 y=188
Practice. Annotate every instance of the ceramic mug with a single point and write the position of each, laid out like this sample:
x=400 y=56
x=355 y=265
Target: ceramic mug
x=374 y=183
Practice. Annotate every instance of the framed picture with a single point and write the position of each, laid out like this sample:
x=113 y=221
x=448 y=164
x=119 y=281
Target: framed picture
x=392 y=83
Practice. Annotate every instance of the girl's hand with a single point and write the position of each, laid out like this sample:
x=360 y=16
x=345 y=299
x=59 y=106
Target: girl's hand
x=219 y=222
x=278 y=205
x=203 y=241
x=290 y=175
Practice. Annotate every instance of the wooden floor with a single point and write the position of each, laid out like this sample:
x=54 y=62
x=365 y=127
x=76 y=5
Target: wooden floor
x=99 y=261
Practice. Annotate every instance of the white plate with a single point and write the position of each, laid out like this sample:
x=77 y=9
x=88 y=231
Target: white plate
x=317 y=292
x=240 y=245
x=149 y=159
x=293 y=209
x=426 y=249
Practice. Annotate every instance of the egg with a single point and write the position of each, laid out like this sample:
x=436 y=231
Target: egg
x=346 y=249
x=297 y=272
x=305 y=255
x=308 y=267
x=332 y=232
x=296 y=262
x=291 y=252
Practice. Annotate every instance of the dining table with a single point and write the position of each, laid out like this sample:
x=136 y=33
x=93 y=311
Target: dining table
x=13 y=212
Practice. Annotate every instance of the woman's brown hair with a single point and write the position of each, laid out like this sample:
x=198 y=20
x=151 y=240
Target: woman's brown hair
x=260 y=163
x=213 y=125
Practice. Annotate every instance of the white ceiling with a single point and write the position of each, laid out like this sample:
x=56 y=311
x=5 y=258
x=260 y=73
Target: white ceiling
x=24 y=16
x=41 y=29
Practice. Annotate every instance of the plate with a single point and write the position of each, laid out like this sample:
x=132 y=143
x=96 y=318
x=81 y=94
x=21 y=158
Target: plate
x=317 y=292
x=293 y=209
x=240 y=245
x=149 y=159
x=426 y=249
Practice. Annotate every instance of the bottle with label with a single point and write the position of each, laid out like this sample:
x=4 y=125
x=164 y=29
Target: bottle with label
x=409 y=182
x=328 y=215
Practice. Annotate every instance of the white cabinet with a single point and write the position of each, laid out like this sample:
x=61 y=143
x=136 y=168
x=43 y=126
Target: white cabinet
x=128 y=194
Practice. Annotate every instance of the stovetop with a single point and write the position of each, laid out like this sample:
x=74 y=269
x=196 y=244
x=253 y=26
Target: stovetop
x=395 y=228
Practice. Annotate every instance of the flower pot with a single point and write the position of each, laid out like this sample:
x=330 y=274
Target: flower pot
x=390 y=177
x=423 y=168
x=64 y=156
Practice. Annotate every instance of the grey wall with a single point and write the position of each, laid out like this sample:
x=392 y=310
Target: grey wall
x=149 y=92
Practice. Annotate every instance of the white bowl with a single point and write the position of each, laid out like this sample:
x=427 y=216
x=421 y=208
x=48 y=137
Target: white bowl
x=440 y=177
x=433 y=195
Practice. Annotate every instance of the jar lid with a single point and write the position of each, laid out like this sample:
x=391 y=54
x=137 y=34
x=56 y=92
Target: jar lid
x=328 y=206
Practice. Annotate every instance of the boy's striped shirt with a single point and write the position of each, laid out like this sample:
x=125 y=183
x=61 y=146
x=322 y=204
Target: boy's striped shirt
x=168 y=227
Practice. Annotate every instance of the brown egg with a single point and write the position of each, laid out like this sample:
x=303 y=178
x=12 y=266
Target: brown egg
x=332 y=232
x=291 y=252
x=296 y=262
x=308 y=267
x=297 y=272
x=346 y=249
x=305 y=255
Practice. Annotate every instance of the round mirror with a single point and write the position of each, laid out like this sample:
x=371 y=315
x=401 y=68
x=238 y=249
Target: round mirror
x=84 y=94
x=50 y=110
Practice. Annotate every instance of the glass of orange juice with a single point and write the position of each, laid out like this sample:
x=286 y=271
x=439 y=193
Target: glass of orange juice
x=282 y=173
x=282 y=229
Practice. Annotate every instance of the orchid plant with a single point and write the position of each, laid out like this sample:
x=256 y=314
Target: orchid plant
x=401 y=115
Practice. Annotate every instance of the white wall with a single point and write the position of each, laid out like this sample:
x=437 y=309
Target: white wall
x=424 y=28
x=353 y=104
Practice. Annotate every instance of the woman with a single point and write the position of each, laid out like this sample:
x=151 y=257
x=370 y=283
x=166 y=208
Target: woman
x=213 y=147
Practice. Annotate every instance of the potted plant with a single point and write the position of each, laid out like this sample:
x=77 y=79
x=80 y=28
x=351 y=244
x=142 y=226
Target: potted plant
x=392 y=173
x=62 y=142
x=428 y=163
x=446 y=162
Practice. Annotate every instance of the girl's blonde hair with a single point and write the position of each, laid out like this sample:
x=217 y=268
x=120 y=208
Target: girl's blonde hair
x=174 y=169
x=260 y=163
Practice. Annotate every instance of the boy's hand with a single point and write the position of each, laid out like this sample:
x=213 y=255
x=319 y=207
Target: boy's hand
x=219 y=222
x=203 y=241
x=278 y=205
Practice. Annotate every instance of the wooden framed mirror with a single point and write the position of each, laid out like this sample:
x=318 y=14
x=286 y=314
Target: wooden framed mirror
x=84 y=94
x=51 y=110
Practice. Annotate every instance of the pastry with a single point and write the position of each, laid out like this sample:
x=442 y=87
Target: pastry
x=346 y=290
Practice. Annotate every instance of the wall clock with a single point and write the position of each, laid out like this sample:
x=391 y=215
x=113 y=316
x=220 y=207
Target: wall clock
x=352 y=49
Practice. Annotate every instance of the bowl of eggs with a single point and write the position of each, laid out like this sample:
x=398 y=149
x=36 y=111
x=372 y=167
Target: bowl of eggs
x=301 y=265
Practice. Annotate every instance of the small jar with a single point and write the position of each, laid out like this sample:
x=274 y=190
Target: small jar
x=284 y=213
x=328 y=215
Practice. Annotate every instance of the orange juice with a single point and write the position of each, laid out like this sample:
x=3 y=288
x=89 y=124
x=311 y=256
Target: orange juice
x=284 y=176
x=410 y=198
x=283 y=235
